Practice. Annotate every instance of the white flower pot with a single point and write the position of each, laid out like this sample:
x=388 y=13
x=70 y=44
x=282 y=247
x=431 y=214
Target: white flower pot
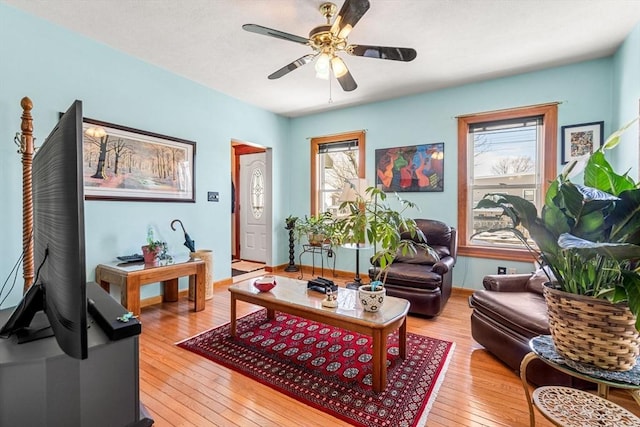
x=371 y=300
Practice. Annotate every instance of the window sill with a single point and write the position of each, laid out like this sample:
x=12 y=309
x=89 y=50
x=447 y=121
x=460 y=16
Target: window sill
x=496 y=253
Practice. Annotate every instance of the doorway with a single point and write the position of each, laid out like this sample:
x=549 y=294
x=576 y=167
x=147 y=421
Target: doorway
x=251 y=210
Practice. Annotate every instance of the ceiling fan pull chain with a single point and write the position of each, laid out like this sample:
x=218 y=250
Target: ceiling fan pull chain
x=330 y=98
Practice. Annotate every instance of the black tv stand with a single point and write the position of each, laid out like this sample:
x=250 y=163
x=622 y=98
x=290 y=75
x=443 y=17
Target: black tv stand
x=42 y=386
x=32 y=334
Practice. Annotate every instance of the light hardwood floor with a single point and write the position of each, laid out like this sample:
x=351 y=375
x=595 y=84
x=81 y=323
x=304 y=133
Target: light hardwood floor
x=180 y=388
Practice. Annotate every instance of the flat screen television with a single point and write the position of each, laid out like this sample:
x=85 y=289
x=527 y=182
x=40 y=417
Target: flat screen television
x=59 y=288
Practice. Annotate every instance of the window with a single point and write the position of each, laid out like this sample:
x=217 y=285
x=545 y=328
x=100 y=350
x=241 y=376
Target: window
x=334 y=160
x=257 y=193
x=512 y=151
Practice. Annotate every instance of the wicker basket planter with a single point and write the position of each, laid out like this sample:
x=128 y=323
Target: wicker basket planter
x=592 y=330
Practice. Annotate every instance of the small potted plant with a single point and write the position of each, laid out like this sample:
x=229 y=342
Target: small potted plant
x=318 y=229
x=588 y=237
x=154 y=250
x=371 y=296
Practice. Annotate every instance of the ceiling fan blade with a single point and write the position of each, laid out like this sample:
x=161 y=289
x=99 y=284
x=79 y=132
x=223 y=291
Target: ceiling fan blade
x=350 y=14
x=259 y=29
x=347 y=82
x=382 y=52
x=292 y=66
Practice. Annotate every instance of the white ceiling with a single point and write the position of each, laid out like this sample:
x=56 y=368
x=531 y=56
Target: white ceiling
x=458 y=41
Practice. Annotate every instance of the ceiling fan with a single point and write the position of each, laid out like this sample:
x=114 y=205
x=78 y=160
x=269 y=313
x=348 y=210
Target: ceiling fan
x=329 y=39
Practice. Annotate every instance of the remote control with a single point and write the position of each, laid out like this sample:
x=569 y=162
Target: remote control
x=131 y=258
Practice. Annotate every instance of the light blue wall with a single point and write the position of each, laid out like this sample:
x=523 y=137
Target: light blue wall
x=54 y=67
x=584 y=91
x=627 y=102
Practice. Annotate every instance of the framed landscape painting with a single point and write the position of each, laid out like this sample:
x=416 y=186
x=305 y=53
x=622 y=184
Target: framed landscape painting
x=121 y=163
x=412 y=168
x=581 y=140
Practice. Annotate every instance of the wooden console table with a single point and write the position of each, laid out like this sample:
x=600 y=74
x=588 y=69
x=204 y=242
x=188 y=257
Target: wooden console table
x=130 y=277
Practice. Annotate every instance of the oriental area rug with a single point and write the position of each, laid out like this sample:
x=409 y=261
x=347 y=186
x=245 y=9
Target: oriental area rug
x=330 y=368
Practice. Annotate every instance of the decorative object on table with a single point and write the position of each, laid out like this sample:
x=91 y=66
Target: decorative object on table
x=188 y=241
x=371 y=219
x=580 y=141
x=146 y=166
x=588 y=239
x=415 y=168
x=320 y=284
x=290 y=225
x=331 y=300
x=154 y=250
x=371 y=296
x=341 y=386
x=265 y=283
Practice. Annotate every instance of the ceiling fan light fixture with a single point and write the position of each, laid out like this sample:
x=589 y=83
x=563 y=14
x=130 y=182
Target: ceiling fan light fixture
x=338 y=66
x=323 y=63
x=323 y=75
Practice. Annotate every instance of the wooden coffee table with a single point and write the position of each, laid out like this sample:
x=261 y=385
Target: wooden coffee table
x=291 y=296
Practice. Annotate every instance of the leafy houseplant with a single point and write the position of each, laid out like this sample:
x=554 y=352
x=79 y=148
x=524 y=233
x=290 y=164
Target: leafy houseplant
x=318 y=228
x=290 y=222
x=154 y=249
x=588 y=235
x=371 y=219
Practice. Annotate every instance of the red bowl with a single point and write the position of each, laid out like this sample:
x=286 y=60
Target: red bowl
x=265 y=284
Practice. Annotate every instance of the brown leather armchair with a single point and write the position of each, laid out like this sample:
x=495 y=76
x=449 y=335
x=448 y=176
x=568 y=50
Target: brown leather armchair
x=507 y=313
x=425 y=282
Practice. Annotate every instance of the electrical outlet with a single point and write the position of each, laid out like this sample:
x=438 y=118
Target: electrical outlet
x=213 y=196
x=502 y=270
x=511 y=271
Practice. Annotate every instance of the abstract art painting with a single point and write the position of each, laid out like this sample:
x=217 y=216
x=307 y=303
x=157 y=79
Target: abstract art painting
x=414 y=168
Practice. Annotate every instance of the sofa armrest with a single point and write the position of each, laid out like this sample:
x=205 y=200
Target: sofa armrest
x=506 y=282
x=443 y=266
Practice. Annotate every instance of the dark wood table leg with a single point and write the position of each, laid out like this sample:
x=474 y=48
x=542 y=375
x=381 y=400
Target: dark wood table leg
x=402 y=339
x=379 y=373
x=233 y=316
x=170 y=290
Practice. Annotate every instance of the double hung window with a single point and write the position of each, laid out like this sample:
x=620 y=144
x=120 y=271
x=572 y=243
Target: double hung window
x=512 y=152
x=334 y=160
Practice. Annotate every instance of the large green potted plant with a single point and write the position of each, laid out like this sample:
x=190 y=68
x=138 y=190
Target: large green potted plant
x=372 y=220
x=588 y=235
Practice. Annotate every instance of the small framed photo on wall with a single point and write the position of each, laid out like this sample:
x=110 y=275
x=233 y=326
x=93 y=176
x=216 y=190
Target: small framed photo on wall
x=581 y=140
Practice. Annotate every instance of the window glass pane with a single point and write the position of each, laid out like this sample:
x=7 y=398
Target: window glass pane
x=336 y=167
x=257 y=193
x=506 y=159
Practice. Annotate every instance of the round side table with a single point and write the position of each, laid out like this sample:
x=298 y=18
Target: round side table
x=542 y=348
x=569 y=407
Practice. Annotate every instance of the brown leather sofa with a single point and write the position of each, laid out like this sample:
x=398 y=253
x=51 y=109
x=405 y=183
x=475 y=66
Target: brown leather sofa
x=506 y=315
x=422 y=280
